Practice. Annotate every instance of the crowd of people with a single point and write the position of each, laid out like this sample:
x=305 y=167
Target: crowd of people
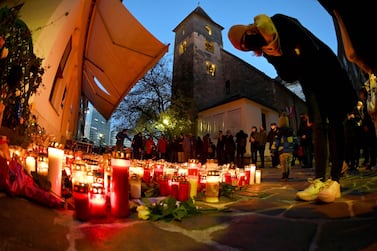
x=225 y=148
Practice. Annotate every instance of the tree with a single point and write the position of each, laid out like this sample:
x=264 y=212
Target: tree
x=147 y=108
x=20 y=71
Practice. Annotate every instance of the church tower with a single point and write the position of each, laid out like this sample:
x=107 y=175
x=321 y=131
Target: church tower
x=197 y=68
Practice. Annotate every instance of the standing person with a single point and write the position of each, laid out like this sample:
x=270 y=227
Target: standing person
x=352 y=132
x=254 y=144
x=162 y=147
x=270 y=139
x=305 y=135
x=284 y=146
x=241 y=139
x=120 y=137
x=198 y=147
x=137 y=146
x=261 y=139
x=187 y=147
x=149 y=146
x=173 y=146
x=220 y=148
x=229 y=147
x=369 y=138
x=181 y=154
x=298 y=55
x=206 y=146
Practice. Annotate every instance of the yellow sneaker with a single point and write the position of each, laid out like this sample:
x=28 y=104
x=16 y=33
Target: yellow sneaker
x=311 y=192
x=330 y=192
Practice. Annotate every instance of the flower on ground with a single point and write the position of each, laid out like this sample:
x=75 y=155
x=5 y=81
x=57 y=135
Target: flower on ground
x=143 y=212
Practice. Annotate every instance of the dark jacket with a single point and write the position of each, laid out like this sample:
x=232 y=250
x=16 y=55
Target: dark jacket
x=285 y=141
x=308 y=60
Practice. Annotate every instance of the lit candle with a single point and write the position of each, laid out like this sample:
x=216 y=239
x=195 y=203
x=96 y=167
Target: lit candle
x=182 y=171
x=81 y=200
x=212 y=186
x=135 y=186
x=158 y=171
x=184 y=190
x=97 y=205
x=55 y=168
x=228 y=178
x=42 y=166
x=194 y=180
x=258 y=176
x=234 y=179
x=120 y=187
x=252 y=173
x=202 y=182
x=174 y=188
x=193 y=167
x=97 y=201
x=241 y=179
x=164 y=186
x=247 y=175
x=147 y=175
x=30 y=164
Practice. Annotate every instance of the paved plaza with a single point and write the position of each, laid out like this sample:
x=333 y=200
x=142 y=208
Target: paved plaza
x=260 y=217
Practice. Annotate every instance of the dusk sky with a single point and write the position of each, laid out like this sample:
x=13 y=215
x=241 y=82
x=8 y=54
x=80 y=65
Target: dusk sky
x=161 y=17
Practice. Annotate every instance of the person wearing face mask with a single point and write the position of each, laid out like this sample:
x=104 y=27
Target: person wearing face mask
x=298 y=55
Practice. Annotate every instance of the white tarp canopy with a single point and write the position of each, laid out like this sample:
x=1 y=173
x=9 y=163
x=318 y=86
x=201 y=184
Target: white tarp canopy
x=119 y=51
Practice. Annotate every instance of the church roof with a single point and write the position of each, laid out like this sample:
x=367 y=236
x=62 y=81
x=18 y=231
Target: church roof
x=199 y=12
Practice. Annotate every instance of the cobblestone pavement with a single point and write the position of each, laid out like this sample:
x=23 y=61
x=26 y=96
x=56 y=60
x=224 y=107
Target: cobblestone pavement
x=260 y=217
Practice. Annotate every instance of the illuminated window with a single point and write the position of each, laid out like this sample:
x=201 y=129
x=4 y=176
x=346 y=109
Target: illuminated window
x=211 y=68
x=209 y=30
x=209 y=46
x=182 y=48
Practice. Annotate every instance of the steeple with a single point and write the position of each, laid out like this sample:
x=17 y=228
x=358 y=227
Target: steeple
x=197 y=68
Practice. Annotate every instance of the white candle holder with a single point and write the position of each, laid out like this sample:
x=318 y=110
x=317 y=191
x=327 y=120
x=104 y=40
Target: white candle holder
x=55 y=168
x=252 y=174
x=258 y=176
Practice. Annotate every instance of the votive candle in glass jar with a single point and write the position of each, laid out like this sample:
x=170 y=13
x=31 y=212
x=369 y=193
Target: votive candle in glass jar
x=55 y=169
x=135 y=186
x=183 y=190
x=81 y=200
x=258 y=176
x=119 y=198
x=97 y=201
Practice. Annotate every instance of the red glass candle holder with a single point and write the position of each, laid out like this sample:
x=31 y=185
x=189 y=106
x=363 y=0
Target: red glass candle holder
x=147 y=175
x=81 y=200
x=97 y=202
x=164 y=187
x=158 y=171
x=184 y=191
x=174 y=189
x=228 y=178
x=120 y=188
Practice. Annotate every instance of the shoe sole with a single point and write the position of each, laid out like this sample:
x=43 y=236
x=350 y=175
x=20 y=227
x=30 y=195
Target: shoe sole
x=327 y=198
x=306 y=198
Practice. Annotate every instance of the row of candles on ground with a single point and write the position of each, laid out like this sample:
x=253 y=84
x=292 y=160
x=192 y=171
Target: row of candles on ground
x=122 y=181
x=96 y=178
